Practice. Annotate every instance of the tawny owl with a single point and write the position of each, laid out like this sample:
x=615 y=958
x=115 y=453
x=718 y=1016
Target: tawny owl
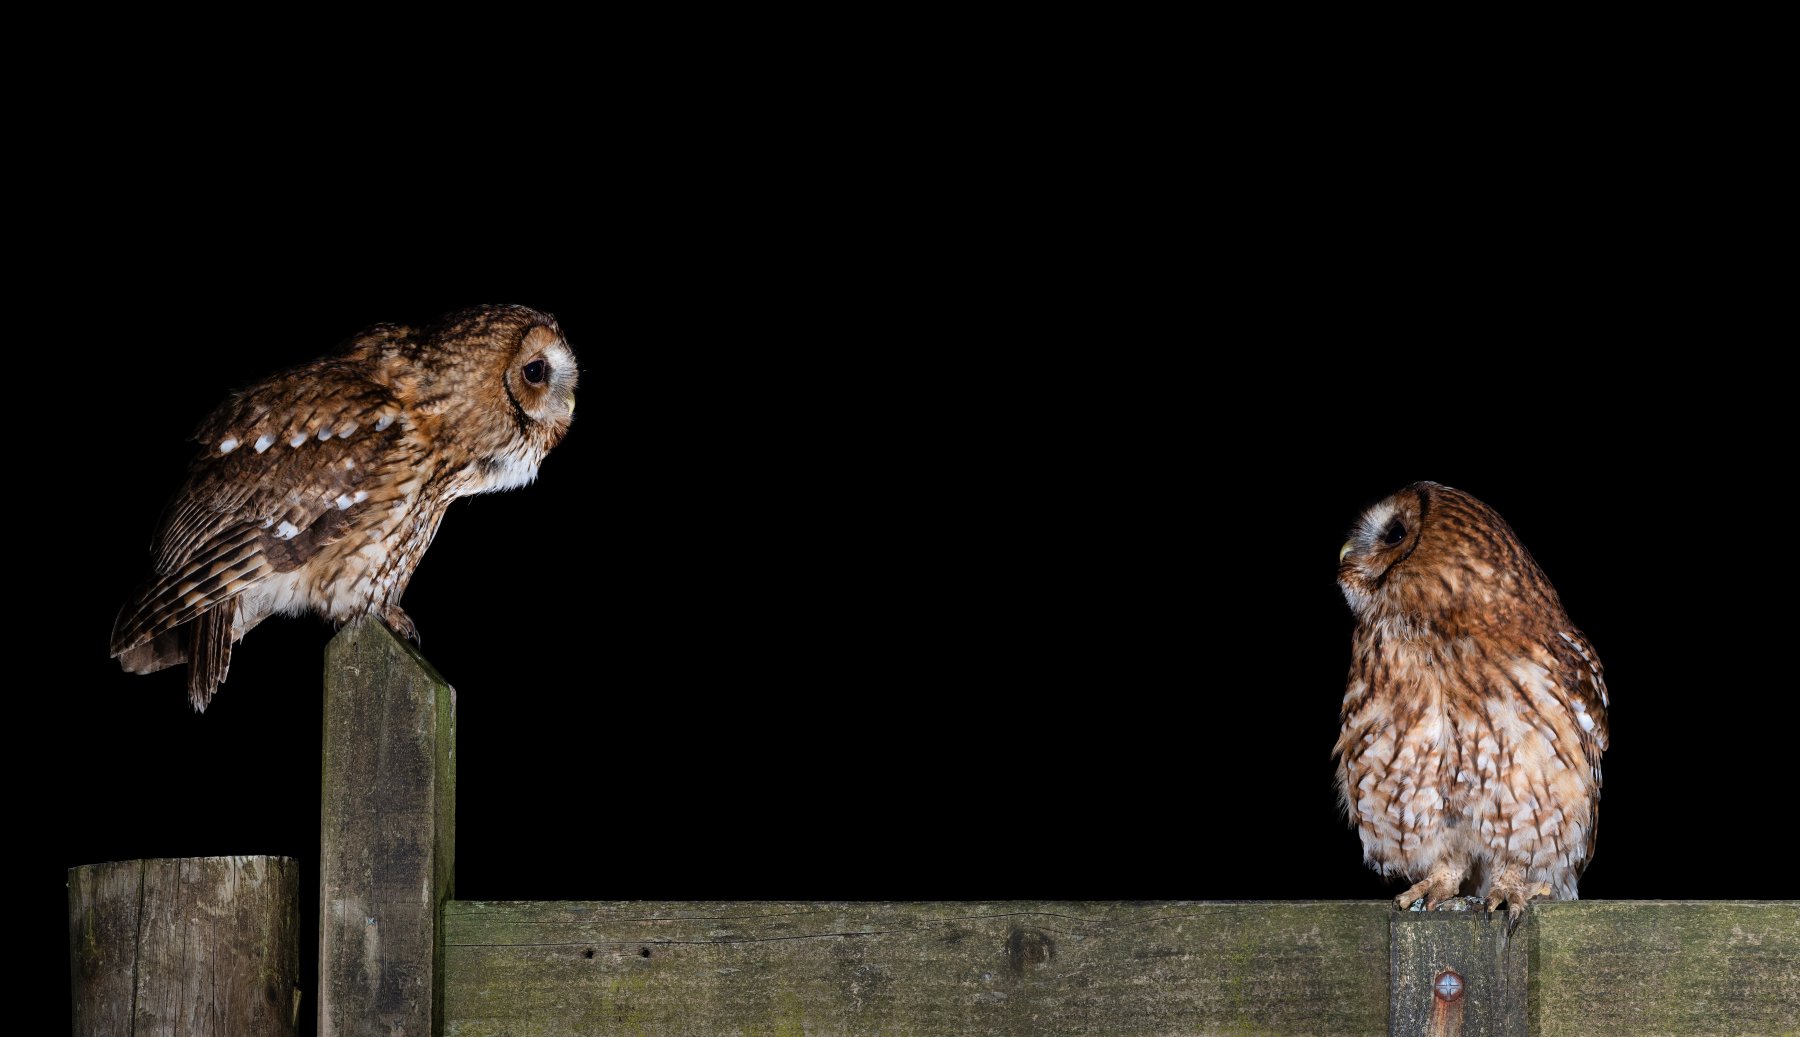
x=318 y=489
x=1475 y=715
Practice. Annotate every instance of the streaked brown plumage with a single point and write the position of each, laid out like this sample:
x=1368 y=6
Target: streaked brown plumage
x=319 y=488
x=1475 y=716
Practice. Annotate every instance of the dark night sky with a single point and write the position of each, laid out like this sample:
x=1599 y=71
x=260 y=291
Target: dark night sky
x=875 y=568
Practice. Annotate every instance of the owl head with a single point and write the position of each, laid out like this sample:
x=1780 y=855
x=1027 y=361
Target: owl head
x=1431 y=555
x=497 y=381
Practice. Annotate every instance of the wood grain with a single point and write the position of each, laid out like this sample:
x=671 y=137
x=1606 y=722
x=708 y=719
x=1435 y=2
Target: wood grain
x=387 y=834
x=1696 y=968
x=925 y=969
x=1014 y=968
x=202 y=947
x=1488 y=958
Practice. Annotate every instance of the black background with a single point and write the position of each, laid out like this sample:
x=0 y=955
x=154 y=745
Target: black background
x=933 y=542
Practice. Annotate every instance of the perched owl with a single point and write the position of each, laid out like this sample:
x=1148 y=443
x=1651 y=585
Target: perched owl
x=318 y=489
x=1475 y=715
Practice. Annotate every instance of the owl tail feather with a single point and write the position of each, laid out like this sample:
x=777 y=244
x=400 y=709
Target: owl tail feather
x=208 y=654
x=166 y=649
x=203 y=643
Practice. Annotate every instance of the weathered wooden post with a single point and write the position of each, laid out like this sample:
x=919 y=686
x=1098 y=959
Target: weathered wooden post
x=387 y=835
x=1599 y=969
x=1453 y=975
x=201 y=946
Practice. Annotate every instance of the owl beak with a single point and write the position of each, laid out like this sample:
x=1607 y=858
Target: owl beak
x=1344 y=552
x=571 y=405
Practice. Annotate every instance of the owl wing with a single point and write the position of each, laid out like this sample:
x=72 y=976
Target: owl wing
x=286 y=464
x=1586 y=683
x=1582 y=676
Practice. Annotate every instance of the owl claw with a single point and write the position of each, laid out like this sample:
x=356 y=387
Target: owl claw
x=1435 y=889
x=1513 y=907
x=1515 y=895
x=400 y=623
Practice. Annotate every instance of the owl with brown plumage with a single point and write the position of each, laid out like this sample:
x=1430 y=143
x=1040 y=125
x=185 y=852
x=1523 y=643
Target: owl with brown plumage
x=1475 y=716
x=318 y=489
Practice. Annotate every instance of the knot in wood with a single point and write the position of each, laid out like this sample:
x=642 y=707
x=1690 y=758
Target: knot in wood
x=1026 y=946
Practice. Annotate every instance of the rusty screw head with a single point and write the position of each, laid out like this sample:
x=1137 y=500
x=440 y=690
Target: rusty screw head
x=1448 y=986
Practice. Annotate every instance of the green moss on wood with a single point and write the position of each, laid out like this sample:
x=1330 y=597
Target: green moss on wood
x=1725 y=968
x=1014 y=968
x=386 y=834
x=921 y=970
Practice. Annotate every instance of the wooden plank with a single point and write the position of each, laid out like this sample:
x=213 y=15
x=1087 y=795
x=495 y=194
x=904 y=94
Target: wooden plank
x=205 y=947
x=923 y=969
x=1487 y=996
x=1600 y=968
x=105 y=902
x=387 y=834
x=1695 y=968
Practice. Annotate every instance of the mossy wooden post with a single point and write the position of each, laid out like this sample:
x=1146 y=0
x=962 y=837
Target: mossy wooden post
x=1458 y=974
x=387 y=835
x=202 y=946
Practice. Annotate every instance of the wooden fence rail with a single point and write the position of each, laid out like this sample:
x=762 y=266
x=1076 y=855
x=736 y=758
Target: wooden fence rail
x=1575 y=968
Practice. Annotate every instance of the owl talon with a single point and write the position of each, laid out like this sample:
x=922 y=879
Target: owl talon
x=1440 y=886
x=1510 y=889
x=400 y=623
x=1514 y=905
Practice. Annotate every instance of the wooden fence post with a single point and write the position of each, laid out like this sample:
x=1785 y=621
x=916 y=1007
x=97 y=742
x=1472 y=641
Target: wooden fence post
x=1455 y=976
x=201 y=946
x=387 y=835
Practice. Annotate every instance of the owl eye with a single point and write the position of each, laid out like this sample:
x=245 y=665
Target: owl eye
x=534 y=372
x=1395 y=533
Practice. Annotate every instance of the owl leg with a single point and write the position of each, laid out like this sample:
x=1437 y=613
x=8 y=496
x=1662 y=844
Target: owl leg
x=399 y=622
x=1511 y=888
x=1443 y=883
